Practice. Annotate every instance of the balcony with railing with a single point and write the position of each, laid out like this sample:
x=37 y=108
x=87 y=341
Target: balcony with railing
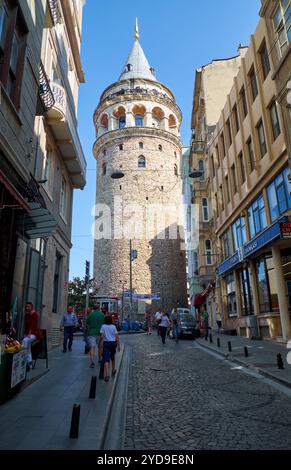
x=62 y=120
x=45 y=95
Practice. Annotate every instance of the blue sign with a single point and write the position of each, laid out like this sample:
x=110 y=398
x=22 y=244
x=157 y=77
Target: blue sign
x=229 y=263
x=142 y=296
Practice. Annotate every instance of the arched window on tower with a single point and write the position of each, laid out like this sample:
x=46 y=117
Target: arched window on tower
x=172 y=122
x=157 y=116
x=120 y=115
x=160 y=147
x=104 y=169
x=175 y=170
x=122 y=122
x=138 y=120
x=141 y=163
x=140 y=145
x=128 y=68
x=104 y=122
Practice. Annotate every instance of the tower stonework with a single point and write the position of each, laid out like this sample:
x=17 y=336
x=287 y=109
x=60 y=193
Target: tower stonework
x=137 y=126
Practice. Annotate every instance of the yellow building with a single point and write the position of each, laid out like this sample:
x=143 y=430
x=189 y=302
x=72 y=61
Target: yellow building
x=248 y=164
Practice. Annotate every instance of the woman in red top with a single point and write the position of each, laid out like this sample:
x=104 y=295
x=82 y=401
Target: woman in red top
x=30 y=331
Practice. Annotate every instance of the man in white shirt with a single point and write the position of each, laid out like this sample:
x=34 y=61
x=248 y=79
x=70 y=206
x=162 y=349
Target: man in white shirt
x=158 y=317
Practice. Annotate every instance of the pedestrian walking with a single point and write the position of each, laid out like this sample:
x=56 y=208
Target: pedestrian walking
x=85 y=331
x=68 y=325
x=205 y=318
x=94 y=322
x=219 y=322
x=164 y=325
x=30 y=331
x=148 y=322
x=110 y=341
x=158 y=317
x=175 y=324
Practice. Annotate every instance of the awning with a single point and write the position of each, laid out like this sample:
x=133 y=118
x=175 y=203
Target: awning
x=39 y=223
x=13 y=191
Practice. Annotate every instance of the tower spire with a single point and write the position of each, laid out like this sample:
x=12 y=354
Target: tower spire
x=136 y=33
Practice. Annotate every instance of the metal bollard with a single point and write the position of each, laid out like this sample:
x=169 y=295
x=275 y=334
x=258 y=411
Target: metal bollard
x=92 y=393
x=210 y=338
x=218 y=342
x=74 y=431
x=229 y=346
x=101 y=372
x=246 y=351
x=280 y=361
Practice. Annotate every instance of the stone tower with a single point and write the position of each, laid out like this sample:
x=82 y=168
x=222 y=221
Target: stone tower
x=137 y=124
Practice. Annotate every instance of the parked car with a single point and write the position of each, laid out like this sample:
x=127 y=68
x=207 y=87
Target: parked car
x=188 y=325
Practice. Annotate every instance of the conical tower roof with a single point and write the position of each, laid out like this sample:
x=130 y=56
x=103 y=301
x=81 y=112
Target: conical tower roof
x=137 y=65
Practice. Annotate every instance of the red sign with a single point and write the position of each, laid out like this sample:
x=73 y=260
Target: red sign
x=285 y=228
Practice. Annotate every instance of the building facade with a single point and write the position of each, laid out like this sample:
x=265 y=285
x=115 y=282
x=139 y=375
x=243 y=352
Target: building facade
x=250 y=190
x=137 y=125
x=41 y=156
x=212 y=85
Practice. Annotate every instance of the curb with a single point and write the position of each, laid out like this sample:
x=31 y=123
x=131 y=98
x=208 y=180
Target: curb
x=109 y=406
x=260 y=371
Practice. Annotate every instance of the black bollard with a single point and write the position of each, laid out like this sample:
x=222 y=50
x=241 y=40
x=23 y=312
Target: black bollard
x=229 y=346
x=246 y=351
x=74 y=431
x=210 y=338
x=92 y=393
x=280 y=361
x=218 y=342
x=101 y=372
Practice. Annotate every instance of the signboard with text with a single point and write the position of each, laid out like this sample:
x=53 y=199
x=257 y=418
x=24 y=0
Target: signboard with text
x=285 y=229
x=18 y=372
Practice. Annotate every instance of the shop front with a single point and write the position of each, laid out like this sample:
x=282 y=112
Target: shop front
x=256 y=285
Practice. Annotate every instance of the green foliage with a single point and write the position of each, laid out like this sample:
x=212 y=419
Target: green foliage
x=77 y=293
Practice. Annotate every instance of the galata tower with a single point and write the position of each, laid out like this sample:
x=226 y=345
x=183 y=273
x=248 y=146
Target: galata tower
x=139 y=254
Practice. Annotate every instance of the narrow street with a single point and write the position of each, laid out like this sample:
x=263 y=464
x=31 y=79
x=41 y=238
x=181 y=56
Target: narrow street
x=180 y=397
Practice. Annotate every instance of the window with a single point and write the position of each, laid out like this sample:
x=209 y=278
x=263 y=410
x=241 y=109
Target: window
x=120 y=146
x=264 y=60
x=217 y=154
x=141 y=162
x=268 y=297
x=208 y=252
x=282 y=24
x=202 y=169
x=229 y=132
x=251 y=154
x=226 y=244
x=221 y=197
x=243 y=100
x=212 y=165
x=231 y=295
x=278 y=195
x=216 y=204
x=138 y=120
x=274 y=120
x=246 y=291
x=128 y=68
x=122 y=122
x=104 y=169
x=262 y=138
x=222 y=144
x=235 y=116
x=234 y=180
x=257 y=217
x=63 y=197
x=13 y=37
x=160 y=147
x=46 y=169
x=205 y=211
x=57 y=278
x=242 y=167
x=239 y=232
x=253 y=82
x=175 y=170
x=140 y=145
x=227 y=188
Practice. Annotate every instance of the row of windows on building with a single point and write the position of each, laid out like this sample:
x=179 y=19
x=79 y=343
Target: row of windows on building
x=279 y=201
x=141 y=163
x=140 y=146
x=47 y=172
x=266 y=285
x=139 y=112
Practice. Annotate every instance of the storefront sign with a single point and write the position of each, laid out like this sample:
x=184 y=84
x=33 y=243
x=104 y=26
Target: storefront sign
x=264 y=238
x=285 y=228
x=229 y=263
x=18 y=372
x=142 y=296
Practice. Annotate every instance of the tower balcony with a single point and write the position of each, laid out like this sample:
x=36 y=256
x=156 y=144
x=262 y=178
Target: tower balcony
x=63 y=123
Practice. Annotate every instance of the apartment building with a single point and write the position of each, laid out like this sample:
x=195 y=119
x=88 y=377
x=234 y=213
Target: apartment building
x=250 y=192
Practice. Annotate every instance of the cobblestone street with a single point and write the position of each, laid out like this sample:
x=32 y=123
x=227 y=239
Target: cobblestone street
x=180 y=397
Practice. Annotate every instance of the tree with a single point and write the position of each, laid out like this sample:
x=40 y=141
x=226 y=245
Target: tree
x=77 y=293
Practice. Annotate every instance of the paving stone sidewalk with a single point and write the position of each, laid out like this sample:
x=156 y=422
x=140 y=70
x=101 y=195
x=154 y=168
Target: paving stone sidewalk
x=39 y=416
x=262 y=355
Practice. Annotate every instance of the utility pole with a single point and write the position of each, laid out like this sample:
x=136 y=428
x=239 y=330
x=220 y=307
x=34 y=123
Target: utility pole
x=87 y=277
x=130 y=275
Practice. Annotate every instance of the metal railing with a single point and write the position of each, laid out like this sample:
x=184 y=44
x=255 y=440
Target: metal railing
x=56 y=14
x=45 y=90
